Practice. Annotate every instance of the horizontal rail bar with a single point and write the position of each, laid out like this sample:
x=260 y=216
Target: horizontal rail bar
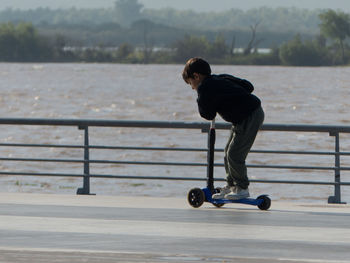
x=295 y=167
x=100 y=161
x=170 y=178
x=41 y=174
x=148 y=148
x=102 y=147
x=300 y=152
x=217 y=179
x=221 y=165
x=299 y=182
x=170 y=163
x=168 y=124
x=40 y=145
x=42 y=160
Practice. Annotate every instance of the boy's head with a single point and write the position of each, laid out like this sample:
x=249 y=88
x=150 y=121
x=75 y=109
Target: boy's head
x=196 y=69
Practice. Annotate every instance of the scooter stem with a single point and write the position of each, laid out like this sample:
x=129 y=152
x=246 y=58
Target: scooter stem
x=212 y=124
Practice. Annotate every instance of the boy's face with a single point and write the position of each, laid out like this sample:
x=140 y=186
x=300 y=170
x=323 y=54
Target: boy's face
x=195 y=81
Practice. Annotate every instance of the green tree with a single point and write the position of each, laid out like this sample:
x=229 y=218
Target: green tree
x=22 y=43
x=190 y=46
x=218 y=50
x=299 y=53
x=336 y=25
x=27 y=41
x=124 y=50
x=8 y=42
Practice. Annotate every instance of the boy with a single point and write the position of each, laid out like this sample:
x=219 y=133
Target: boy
x=231 y=98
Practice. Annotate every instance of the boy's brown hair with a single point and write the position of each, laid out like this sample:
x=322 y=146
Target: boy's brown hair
x=195 y=65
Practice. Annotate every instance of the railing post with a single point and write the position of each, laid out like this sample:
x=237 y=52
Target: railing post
x=85 y=190
x=210 y=156
x=336 y=199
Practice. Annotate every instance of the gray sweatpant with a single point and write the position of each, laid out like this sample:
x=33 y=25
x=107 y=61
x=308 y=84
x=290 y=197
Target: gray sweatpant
x=241 y=140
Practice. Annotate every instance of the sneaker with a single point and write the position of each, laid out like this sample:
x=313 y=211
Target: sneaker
x=223 y=192
x=238 y=194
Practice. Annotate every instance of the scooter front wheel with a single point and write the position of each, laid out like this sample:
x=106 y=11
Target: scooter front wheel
x=266 y=202
x=217 y=190
x=196 y=197
x=218 y=205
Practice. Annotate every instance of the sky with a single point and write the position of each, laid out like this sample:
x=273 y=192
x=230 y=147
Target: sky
x=198 y=5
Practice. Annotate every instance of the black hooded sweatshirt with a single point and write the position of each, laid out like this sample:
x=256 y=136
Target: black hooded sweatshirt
x=227 y=95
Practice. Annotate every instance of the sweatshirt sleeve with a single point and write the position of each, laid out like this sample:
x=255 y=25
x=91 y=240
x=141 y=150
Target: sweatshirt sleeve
x=206 y=107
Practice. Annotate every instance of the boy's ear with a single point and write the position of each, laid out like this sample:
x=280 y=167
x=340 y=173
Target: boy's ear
x=195 y=75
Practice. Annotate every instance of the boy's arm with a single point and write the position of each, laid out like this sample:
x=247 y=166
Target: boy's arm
x=206 y=108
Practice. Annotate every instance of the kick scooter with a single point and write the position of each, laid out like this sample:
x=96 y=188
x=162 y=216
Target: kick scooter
x=197 y=196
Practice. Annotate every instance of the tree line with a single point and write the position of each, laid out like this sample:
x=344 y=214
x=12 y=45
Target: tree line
x=114 y=26
x=129 y=22
x=126 y=12
x=22 y=42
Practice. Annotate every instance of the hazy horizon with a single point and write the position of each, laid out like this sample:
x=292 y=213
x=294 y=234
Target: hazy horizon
x=196 y=5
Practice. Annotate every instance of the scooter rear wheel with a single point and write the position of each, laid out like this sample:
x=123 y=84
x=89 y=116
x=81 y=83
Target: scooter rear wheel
x=266 y=202
x=196 y=197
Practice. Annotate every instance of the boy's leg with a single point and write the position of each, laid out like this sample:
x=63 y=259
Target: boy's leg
x=239 y=147
x=228 y=188
x=227 y=169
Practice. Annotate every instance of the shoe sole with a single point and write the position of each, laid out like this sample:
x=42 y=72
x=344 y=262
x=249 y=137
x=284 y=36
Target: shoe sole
x=236 y=197
x=217 y=197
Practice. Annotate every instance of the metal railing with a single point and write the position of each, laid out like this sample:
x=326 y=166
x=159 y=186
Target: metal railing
x=204 y=127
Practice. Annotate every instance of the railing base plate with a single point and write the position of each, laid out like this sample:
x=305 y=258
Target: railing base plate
x=82 y=191
x=333 y=200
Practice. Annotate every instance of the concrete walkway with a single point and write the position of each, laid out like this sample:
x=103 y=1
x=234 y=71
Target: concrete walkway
x=60 y=228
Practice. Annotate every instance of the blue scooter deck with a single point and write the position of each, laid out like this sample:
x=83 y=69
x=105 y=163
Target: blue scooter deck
x=249 y=201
